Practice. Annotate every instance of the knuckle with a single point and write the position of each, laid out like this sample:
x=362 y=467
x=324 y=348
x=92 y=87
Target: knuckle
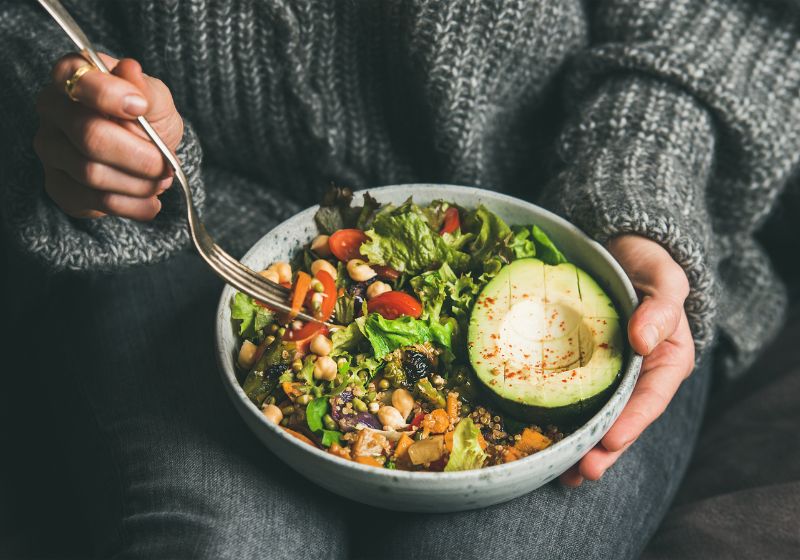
x=63 y=67
x=93 y=173
x=93 y=135
x=150 y=162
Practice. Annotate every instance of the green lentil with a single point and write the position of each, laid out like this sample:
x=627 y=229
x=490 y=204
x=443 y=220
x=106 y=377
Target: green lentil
x=371 y=396
x=287 y=410
x=303 y=399
x=384 y=384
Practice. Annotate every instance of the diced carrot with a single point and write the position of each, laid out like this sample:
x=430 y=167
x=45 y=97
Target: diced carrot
x=452 y=407
x=437 y=421
x=401 y=449
x=291 y=389
x=481 y=441
x=532 y=441
x=448 y=441
x=511 y=454
x=368 y=460
x=301 y=285
x=299 y=436
x=339 y=451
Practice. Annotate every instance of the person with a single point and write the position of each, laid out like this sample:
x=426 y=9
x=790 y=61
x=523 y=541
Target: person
x=665 y=130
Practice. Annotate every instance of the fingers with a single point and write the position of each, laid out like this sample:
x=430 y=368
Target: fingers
x=52 y=147
x=664 y=287
x=101 y=139
x=663 y=372
x=571 y=478
x=80 y=201
x=105 y=93
x=654 y=321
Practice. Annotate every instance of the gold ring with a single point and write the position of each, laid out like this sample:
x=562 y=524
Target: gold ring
x=69 y=85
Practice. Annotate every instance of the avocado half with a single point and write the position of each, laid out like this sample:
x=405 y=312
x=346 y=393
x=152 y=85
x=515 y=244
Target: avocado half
x=546 y=343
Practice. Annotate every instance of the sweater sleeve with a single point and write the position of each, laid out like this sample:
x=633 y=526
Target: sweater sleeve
x=684 y=126
x=31 y=43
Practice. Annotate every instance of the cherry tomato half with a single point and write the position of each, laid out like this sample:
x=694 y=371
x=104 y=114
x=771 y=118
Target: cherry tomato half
x=394 y=304
x=302 y=336
x=345 y=243
x=451 y=221
x=329 y=285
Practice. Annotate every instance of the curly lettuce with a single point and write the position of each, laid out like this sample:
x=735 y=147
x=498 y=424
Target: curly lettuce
x=467 y=453
x=251 y=316
x=402 y=238
x=387 y=335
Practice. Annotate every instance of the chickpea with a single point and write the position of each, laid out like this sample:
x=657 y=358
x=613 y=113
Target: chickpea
x=321 y=345
x=324 y=368
x=377 y=288
x=390 y=418
x=271 y=274
x=322 y=264
x=403 y=402
x=320 y=246
x=247 y=354
x=272 y=413
x=359 y=271
x=283 y=269
x=374 y=407
x=316 y=301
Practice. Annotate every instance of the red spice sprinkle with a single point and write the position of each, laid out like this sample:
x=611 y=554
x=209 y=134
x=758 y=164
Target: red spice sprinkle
x=602 y=345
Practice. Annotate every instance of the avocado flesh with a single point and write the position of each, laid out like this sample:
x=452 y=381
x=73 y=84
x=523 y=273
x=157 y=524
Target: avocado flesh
x=546 y=342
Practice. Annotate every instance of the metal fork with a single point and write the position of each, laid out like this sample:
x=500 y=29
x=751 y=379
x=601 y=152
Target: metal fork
x=228 y=268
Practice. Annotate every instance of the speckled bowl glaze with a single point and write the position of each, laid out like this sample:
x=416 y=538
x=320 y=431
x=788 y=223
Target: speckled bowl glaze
x=434 y=492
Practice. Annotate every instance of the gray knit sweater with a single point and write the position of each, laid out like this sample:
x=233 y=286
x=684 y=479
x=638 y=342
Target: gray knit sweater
x=675 y=119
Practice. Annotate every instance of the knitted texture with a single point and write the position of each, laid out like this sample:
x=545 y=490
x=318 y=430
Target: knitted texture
x=675 y=119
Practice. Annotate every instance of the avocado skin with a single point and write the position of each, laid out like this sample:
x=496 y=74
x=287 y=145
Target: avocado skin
x=565 y=418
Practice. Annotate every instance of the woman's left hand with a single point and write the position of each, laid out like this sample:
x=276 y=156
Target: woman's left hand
x=657 y=330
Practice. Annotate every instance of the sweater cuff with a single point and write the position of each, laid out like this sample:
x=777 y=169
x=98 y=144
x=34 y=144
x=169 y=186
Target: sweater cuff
x=637 y=159
x=65 y=243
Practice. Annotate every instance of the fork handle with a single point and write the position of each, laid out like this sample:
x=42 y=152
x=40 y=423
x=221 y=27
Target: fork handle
x=76 y=34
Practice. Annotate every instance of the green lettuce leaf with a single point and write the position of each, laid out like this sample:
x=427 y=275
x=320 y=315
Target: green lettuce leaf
x=432 y=289
x=346 y=340
x=402 y=238
x=315 y=410
x=251 y=316
x=387 y=335
x=546 y=250
x=467 y=453
x=490 y=234
x=522 y=243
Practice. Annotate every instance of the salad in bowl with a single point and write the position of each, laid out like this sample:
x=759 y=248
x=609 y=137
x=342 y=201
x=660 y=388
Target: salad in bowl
x=447 y=339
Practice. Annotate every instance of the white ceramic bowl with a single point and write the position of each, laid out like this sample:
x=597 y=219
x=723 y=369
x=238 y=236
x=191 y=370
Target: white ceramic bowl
x=434 y=492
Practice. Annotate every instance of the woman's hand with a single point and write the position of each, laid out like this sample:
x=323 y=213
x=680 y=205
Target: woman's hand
x=97 y=160
x=659 y=331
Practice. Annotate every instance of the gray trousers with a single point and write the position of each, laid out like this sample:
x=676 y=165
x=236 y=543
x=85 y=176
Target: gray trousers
x=168 y=469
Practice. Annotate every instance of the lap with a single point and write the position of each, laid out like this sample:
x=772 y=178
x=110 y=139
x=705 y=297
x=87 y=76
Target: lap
x=169 y=470
x=167 y=467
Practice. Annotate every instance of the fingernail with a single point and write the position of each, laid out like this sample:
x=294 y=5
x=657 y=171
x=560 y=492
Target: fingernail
x=134 y=105
x=164 y=185
x=650 y=336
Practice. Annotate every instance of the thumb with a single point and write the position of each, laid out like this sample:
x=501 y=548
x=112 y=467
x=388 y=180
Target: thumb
x=654 y=321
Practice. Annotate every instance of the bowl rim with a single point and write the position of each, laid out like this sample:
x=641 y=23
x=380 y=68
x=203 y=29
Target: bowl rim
x=630 y=371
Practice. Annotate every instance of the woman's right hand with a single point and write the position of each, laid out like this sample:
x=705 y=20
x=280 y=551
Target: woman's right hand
x=97 y=159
